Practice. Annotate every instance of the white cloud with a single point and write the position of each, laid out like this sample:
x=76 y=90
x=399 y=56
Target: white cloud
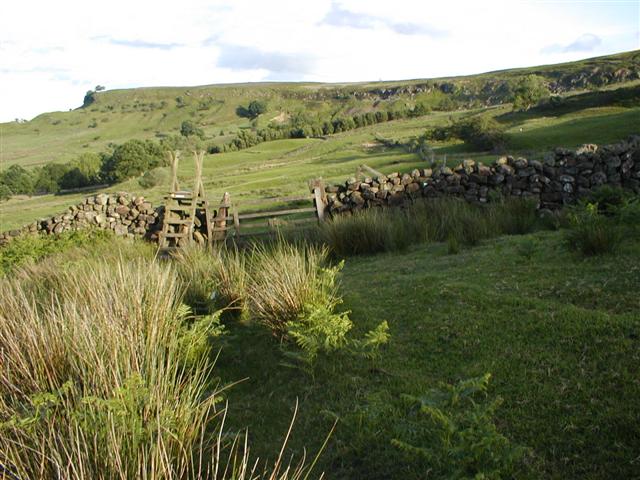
x=584 y=43
x=52 y=52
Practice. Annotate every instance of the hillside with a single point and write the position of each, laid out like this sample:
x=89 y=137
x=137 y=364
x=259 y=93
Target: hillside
x=118 y=115
x=602 y=115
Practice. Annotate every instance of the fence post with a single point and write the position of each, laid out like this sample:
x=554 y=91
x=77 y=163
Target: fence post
x=220 y=220
x=320 y=198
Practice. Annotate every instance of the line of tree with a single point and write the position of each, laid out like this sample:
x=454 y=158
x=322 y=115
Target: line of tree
x=119 y=163
x=303 y=125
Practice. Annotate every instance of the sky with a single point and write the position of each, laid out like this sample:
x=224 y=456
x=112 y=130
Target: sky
x=52 y=52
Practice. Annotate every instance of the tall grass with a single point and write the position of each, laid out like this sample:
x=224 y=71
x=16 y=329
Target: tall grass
x=286 y=278
x=592 y=233
x=368 y=231
x=214 y=277
x=448 y=220
x=97 y=381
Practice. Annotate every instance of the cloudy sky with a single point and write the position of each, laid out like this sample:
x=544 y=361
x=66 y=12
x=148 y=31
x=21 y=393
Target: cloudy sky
x=52 y=52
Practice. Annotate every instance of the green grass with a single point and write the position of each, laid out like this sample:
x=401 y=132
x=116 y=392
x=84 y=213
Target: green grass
x=558 y=333
x=284 y=167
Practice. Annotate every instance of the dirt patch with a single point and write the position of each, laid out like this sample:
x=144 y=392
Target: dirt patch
x=283 y=117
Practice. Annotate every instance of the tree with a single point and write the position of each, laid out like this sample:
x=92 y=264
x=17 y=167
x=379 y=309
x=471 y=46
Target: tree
x=130 y=159
x=99 y=88
x=255 y=108
x=47 y=179
x=89 y=98
x=5 y=192
x=18 y=180
x=529 y=91
x=188 y=128
x=83 y=171
x=482 y=133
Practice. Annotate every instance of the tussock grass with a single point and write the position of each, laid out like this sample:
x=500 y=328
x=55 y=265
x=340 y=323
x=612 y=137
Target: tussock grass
x=214 y=277
x=284 y=279
x=591 y=233
x=448 y=220
x=97 y=382
x=368 y=231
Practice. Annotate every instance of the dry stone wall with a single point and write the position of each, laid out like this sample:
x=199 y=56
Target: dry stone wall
x=125 y=214
x=560 y=179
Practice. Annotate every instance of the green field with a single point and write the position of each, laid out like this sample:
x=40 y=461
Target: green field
x=284 y=167
x=558 y=334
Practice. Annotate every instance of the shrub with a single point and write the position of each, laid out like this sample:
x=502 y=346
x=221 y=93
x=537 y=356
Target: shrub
x=83 y=171
x=18 y=180
x=32 y=248
x=5 y=192
x=591 y=233
x=154 y=178
x=628 y=214
x=47 y=179
x=188 y=128
x=529 y=91
x=482 y=133
x=130 y=159
x=453 y=430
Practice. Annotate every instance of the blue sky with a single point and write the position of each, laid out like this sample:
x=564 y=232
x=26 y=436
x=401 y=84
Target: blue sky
x=51 y=53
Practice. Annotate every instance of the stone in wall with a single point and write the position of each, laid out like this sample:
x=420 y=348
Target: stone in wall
x=124 y=214
x=561 y=178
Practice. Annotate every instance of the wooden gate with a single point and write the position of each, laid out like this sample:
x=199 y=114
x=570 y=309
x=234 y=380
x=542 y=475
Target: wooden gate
x=267 y=216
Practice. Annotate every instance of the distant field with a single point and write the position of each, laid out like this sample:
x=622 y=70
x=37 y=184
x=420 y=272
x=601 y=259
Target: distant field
x=284 y=167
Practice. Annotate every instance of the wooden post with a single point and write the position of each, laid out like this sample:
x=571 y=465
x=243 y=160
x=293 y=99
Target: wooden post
x=320 y=198
x=220 y=220
x=173 y=160
x=236 y=221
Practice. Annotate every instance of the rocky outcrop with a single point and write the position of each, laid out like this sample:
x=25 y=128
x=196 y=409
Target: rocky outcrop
x=125 y=214
x=561 y=178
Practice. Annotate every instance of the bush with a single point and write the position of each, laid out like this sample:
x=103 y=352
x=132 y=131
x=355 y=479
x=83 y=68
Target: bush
x=5 y=192
x=481 y=132
x=32 y=248
x=154 y=178
x=18 y=180
x=609 y=199
x=189 y=128
x=591 y=233
x=49 y=177
x=83 y=171
x=253 y=110
x=130 y=159
x=529 y=91
x=452 y=429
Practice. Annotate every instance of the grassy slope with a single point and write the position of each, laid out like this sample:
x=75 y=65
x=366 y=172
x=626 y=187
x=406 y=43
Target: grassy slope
x=285 y=166
x=558 y=333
